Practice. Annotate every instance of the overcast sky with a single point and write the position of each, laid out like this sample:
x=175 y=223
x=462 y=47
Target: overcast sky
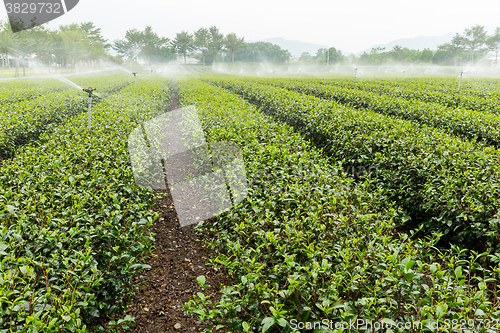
x=351 y=26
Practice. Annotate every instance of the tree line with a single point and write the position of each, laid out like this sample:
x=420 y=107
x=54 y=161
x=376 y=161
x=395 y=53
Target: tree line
x=84 y=45
x=64 y=47
x=473 y=44
x=205 y=44
x=147 y=45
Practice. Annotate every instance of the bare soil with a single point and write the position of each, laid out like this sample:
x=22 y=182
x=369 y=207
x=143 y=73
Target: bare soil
x=180 y=256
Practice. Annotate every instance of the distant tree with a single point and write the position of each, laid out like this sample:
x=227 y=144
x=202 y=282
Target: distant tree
x=201 y=41
x=376 y=55
x=411 y=56
x=493 y=43
x=453 y=51
x=23 y=46
x=397 y=53
x=117 y=59
x=232 y=43
x=74 y=43
x=10 y=41
x=473 y=39
x=305 y=56
x=321 y=54
x=94 y=34
x=351 y=58
x=333 y=55
x=216 y=41
x=261 y=51
x=131 y=45
x=6 y=36
x=69 y=44
x=98 y=45
x=440 y=57
x=153 y=46
x=44 y=48
x=363 y=58
x=145 y=44
x=426 y=55
x=183 y=43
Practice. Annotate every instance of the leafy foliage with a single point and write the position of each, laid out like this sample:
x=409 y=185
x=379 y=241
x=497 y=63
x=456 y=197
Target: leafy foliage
x=478 y=96
x=74 y=227
x=309 y=243
x=145 y=44
x=442 y=182
x=262 y=51
x=23 y=122
x=480 y=126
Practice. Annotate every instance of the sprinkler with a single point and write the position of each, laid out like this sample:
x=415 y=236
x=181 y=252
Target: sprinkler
x=89 y=91
x=355 y=72
x=460 y=80
x=135 y=80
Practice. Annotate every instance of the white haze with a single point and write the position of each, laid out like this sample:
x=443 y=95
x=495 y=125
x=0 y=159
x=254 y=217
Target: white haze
x=348 y=25
x=359 y=71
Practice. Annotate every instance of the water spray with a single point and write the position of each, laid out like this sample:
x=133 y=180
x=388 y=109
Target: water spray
x=89 y=91
x=74 y=85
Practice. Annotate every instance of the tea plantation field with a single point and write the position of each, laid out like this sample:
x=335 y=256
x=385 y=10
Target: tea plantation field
x=372 y=202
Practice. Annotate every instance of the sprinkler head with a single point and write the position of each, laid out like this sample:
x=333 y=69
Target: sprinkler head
x=89 y=91
x=134 y=73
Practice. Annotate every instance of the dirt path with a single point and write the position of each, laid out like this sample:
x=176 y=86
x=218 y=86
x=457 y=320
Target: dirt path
x=180 y=256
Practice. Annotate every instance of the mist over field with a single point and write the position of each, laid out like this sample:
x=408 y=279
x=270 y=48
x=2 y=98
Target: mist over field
x=262 y=167
x=77 y=47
